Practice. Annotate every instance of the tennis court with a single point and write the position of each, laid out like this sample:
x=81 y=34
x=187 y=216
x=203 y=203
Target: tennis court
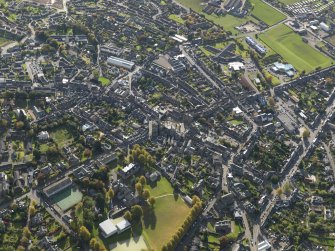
x=67 y=198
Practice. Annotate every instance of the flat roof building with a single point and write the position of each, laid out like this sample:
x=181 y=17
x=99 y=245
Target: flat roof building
x=57 y=187
x=121 y=62
x=109 y=227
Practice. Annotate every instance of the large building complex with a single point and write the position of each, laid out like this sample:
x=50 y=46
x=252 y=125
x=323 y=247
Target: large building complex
x=121 y=62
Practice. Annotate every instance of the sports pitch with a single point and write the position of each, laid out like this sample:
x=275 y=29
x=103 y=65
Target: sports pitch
x=67 y=198
x=266 y=13
x=289 y=45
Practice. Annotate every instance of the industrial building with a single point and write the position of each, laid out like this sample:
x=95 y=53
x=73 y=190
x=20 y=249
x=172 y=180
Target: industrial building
x=121 y=63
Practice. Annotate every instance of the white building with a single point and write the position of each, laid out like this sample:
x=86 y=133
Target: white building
x=236 y=66
x=43 y=136
x=324 y=27
x=109 y=228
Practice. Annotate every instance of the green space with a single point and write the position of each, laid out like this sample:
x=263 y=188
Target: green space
x=3 y=41
x=163 y=187
x=228 y=22
x=292 y=49
x=287 y=2
x=167 y=216
x=176 y=18
x=236 y=230
x=266 y=13
x=104 y=81
x=236 y=122
x=67 y=198
x=331 y=39
x=132 y=244
x=62 y=137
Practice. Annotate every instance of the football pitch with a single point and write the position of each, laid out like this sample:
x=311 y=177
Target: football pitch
x=289 y=45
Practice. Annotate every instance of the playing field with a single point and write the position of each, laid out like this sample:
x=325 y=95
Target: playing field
x=168 y=215
x=228 y=22
x=67 y=198
x=266 y=13
x=287 y=2
x=291 y=48
x=132 y=244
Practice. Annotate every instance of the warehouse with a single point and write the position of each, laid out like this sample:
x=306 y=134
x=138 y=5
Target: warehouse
x=121 y=63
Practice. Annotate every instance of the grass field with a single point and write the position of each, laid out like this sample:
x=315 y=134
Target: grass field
x=104 y=81
x=228 y=22
x=291 y=48
x=167 y=216
x=287 y=2
x=62 y=137
x=176 y=18
x=266 y=13
x=331 y=39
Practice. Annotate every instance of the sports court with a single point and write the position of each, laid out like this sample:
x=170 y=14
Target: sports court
x=67 y=198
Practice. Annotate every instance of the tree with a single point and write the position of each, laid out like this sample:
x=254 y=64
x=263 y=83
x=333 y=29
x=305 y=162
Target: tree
x=84 y=234
x=195 y=200
x=146 y=194
x=32 y=210
x=152 y=201
x=136 y=212
x=138 y=187
x=3 y=123
x=143 y=180
x=127 y=215
x=92 y=242
x=306 y=133
x=272 y=101
x=100 y=202
x=20 y=248
x=87 y=152
x=19 y=125
x=26 y=232
x=279 y=192
x=111 y=193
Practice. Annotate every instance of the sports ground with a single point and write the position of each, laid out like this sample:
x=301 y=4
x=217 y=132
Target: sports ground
x=67 y=198
x=289 y=45
x=168 y=215
x=261 y=11
x=266 y=13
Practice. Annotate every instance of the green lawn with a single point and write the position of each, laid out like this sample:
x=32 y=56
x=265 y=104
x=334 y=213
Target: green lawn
x=162 y=187
x=104 y=81
x=3 y=41
x=62 y=137
x=176 y=18
x=291 y=48
x=236 y=122
x=168 y=215
x=266 y=13
x=228 y=22
x=287 y=2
